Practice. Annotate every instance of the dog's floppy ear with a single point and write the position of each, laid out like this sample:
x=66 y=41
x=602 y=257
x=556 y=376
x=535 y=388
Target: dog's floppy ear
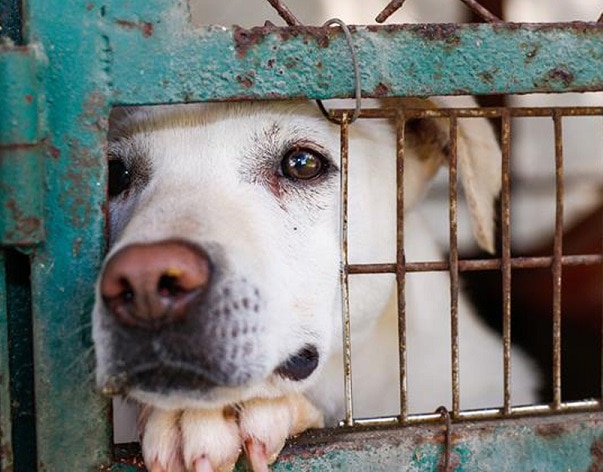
x=478 y=157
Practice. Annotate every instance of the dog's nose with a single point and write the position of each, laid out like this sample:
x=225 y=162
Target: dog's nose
x=153 y=284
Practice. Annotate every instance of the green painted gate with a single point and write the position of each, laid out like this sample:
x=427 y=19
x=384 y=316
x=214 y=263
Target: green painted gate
x=65 y=63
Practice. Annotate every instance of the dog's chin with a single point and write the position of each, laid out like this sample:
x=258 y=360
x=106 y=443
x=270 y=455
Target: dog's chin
x=176 y=387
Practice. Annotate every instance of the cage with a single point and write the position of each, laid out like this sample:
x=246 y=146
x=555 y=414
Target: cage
x=65 y=64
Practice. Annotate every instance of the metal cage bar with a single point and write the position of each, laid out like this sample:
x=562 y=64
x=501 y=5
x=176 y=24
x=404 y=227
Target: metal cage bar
x=506 y=255
x=401 y=264
x=454 y=264
x=557 y=266
x=345 y=297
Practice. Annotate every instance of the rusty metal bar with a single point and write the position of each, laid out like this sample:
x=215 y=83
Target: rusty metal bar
x=493 y=112
x=506 y=256
x=481 y=11
x=391 y=8
x=487 y=414
x=557 y=266
x=467 y=265
x=345 y=296
x=284 y=12
x=454 y=265
x=400 y=264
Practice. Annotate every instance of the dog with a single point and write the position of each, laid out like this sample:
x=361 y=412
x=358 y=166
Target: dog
x=218 y=307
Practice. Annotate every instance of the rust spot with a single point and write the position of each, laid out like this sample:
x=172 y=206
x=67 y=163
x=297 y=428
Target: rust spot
x=246 y=80
x=596 y=451
x=145 y=27
x=54 y=151
x=291 y=63
x=562 y=75
x=550 y=431
x=531 y=54
x=77 y=247
x=29 y=98
x=486 y=77
x=323 y=40
x=25 y=226
x=246 y=38
x=381 y=90
x=439 y=32
x=389 y=28
x=89 y=6
x=94 y=115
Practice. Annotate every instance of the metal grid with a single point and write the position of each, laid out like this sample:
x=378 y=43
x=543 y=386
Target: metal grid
x=62 y=123
x=454 y=265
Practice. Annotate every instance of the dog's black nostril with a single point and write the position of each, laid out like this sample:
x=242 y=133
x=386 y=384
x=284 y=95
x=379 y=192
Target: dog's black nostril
x=169 y=286
x=300 y=365
x=127 y=293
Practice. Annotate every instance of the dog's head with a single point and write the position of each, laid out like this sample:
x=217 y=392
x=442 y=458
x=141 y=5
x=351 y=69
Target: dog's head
x=222 y=279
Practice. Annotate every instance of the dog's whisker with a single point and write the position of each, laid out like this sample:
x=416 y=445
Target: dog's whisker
x=85 y=357
x=79 y=330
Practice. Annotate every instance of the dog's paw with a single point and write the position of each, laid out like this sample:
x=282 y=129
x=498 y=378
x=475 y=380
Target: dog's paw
x=189 y=440
x=195 y=440
x=265 y=425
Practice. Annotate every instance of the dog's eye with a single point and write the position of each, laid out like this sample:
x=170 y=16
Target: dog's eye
x=119 y=177
x=303 y=164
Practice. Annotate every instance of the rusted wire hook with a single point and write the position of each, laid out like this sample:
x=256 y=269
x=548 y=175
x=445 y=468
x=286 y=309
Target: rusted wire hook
x=357 y=84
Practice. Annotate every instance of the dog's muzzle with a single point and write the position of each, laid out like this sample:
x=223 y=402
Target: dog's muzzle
x=176 y=326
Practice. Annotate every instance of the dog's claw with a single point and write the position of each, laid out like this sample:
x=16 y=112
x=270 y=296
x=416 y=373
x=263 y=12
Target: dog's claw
x=256 y=455
x=199 y=440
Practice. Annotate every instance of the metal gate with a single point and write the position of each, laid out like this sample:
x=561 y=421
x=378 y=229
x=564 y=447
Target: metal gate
x=65 y=63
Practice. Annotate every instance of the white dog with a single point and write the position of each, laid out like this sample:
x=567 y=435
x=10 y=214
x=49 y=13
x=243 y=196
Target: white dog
x=218 y=307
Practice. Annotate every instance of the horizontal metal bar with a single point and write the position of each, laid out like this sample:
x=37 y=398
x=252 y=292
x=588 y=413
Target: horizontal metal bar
x=518 y=443
x=584 y=406
x=466 y=265
x=486 y=112
x=217 y=63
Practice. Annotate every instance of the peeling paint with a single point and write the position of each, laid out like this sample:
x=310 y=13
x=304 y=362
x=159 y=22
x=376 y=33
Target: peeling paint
x=381 y=90
x=440 y=32
x=561 y=74
x=145 y=27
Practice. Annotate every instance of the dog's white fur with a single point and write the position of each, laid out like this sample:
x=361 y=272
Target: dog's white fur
x=208 y=185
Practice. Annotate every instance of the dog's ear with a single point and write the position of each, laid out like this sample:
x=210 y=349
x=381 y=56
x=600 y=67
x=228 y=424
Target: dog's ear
x=478 y=158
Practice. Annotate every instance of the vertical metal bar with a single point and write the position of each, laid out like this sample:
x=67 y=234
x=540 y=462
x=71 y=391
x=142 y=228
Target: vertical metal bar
x=557 y=253
x=401 y=264
x=345 y=300
x=454 y=264
x=506 y=255
x=6 y=448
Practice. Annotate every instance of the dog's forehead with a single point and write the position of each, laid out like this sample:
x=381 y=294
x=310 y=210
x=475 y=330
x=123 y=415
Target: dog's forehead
x=223 y=121
x=224 y=135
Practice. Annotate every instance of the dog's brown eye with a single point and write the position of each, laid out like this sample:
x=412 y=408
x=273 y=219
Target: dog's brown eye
x=303 y=164
x=119 y=177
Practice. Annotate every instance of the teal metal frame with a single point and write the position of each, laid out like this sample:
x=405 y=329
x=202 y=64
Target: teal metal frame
x=80 y=58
